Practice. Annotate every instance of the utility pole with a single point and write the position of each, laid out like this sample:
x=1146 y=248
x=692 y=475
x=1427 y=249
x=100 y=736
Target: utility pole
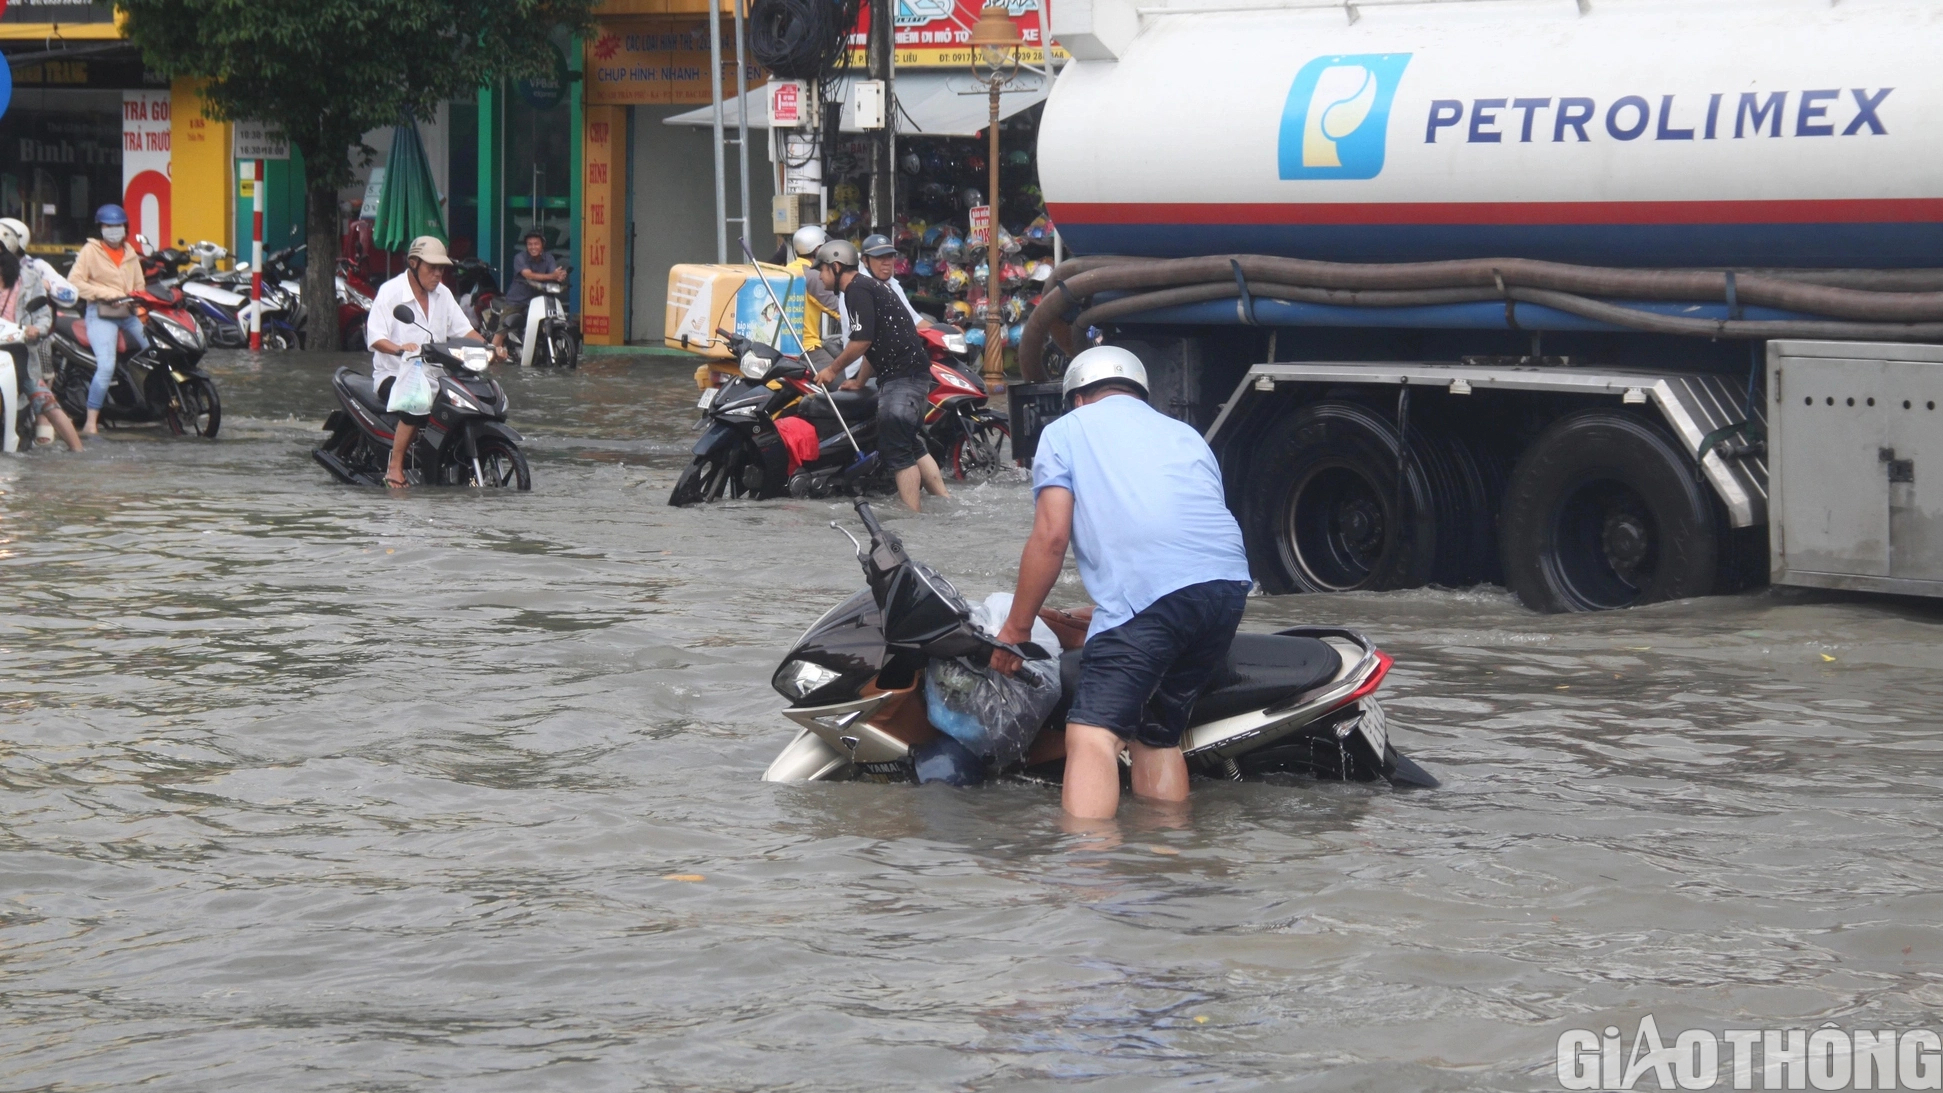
x=883 y=146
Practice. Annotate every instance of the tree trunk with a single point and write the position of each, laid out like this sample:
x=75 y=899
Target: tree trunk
x=320 y=270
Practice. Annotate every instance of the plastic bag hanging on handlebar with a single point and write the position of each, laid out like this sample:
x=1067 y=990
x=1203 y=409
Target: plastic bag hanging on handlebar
x=411 y=392
x=995 y=715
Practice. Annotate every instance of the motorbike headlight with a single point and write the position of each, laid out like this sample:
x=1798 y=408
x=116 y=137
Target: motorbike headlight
x=753 y=366
x=798 y=678
x=955 y=343
x=461 y=400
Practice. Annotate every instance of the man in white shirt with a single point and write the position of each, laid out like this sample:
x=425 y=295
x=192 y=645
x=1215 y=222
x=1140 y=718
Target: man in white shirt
x=435 y=312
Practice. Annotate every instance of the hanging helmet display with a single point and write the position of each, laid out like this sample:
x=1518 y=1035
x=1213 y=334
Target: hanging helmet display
x=1039 y=231
x=1010 y=275
x=982 y=274
x=1014 y=310
x=924 y=267
x=902 y=267
x=975 y=163
x=1013 y=335
x=970 y=197
x=951 y=248
x=847 y=193
x=1018 y=157
x=975 y=335
x=1008 y=244
x=957 y=281
x=959 y=313
x=911 y=162
x=1041 y=271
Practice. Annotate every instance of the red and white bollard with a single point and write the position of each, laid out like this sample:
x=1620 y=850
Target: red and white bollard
x=256 y=259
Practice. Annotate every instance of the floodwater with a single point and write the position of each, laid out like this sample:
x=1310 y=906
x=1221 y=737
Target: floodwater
x=305 y=787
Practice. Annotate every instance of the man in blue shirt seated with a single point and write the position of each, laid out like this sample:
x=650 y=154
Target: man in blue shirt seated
x=533 y=265
x=1138 y=495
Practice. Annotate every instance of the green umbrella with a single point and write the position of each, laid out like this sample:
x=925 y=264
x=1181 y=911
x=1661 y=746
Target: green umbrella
x=408 y=205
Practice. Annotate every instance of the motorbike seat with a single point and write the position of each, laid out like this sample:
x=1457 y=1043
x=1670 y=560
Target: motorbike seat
x=1262 y=669
x=79 y=329
x=856 y=405
x=359 y=386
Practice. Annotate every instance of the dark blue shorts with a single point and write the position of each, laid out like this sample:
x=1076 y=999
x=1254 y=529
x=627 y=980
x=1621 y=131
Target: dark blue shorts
x=900 y=415
x=1140 y=679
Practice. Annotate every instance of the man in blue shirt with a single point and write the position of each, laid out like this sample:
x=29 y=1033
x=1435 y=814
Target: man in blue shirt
x=1138 y=495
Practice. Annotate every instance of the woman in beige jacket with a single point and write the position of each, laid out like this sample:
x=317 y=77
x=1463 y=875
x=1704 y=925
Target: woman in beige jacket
x=106 y=273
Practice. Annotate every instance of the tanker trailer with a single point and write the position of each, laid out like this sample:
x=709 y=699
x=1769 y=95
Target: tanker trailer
x=1613 y=301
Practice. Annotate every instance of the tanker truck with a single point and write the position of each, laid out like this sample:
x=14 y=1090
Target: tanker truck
x=1611 y=301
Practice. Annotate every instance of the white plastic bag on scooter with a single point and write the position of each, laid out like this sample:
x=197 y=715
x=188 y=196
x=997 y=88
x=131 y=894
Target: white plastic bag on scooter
x=411 y=392
x=995 y=716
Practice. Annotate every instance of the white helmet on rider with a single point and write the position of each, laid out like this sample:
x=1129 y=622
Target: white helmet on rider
x=807 y=239
x=14 y=235
x=1103 y=364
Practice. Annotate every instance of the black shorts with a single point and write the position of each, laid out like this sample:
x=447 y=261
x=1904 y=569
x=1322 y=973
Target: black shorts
x=900 y=414
x=384 y=395
x=1140 y=679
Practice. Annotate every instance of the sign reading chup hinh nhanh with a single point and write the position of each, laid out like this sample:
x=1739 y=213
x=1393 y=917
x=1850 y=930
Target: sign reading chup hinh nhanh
x=658 y=63
x=937 y=33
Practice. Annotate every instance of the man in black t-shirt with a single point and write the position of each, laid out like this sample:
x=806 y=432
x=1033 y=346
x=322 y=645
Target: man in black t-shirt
x=881 y=332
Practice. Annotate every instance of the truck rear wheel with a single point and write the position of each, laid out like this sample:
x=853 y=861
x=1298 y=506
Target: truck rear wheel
x=1604 y=511
x=1326 y=509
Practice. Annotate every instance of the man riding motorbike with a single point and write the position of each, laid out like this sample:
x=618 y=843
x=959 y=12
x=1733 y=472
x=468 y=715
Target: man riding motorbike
x=531 y=266
x=883 y=336
x=108 y=273
x=422 y=288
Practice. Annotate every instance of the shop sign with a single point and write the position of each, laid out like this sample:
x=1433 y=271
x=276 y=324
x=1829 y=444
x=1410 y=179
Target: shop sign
x=145 y=151
x=659 y=63
x=546 y=92
x=937 y=33
x=981 y=226
x=261 y=140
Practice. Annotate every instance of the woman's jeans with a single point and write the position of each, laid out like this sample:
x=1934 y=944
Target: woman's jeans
x=101 y=335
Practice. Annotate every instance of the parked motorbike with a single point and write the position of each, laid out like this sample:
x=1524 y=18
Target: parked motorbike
x=354 y=293
x=474 y=286
x=547 y=337
x=466 y=443
x=164 y=382
x=1299 y=701
x=221 y=300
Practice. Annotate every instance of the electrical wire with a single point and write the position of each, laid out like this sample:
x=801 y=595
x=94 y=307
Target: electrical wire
x=799 y=39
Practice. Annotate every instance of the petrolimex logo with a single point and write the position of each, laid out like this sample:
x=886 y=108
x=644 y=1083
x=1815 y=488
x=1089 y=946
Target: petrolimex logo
x=1338 y=115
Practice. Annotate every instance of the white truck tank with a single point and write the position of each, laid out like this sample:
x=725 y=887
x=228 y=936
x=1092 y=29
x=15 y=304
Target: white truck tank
x=1786 y=133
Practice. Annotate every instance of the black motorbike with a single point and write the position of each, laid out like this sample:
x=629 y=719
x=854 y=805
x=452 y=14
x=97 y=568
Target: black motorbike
x=466 y=443
x=741 y=453
x=1297 y=702
x=161 y=383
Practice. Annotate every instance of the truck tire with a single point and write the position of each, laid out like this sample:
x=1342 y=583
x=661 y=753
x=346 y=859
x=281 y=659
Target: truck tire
x=1325 y=510
x=1604 y=511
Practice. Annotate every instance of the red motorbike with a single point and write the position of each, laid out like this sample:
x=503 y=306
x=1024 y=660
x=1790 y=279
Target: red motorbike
x=354 y=293
x=961 y=430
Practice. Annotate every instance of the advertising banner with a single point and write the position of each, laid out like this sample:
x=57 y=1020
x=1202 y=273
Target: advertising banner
x=937 y=33
x=145 y=163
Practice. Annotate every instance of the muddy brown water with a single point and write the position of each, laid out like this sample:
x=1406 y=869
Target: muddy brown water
x=304 y=787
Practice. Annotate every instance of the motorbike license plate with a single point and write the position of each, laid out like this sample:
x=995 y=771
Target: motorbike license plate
x=707 y=399
x=1374 y=727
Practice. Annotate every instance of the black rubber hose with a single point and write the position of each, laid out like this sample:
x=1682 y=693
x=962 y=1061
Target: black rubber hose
x=1884 y=310
x=797 y=39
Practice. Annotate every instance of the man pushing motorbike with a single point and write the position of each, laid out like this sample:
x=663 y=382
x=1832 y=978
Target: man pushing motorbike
x=422 y=288
x=1138 y=495
x=882 y=334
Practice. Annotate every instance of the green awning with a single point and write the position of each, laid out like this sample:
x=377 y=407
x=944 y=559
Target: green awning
x=408 y=206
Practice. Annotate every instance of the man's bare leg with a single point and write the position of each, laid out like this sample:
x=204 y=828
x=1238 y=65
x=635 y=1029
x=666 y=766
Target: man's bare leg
x=401 y=442
x=907 y=488
x=934 y=480
x=1159 y=773
x=1092 y=782
x=63 y=427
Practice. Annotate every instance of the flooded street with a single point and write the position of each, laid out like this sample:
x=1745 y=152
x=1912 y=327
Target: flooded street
x=306 y=787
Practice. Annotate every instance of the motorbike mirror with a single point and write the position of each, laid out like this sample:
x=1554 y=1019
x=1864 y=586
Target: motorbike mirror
x=403 y=314
x=242 y=267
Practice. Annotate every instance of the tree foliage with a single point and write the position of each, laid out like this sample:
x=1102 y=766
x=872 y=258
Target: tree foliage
x=328 y=71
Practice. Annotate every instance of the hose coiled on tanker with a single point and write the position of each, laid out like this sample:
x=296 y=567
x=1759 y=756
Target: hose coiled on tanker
x=1901 y=305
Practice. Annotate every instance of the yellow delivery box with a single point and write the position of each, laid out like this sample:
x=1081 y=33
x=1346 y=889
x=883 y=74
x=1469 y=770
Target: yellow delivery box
x=705 y=299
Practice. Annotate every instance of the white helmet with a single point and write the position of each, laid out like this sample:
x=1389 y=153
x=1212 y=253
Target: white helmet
x=14 y=235
x=1102 y=363
x=807 y=239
